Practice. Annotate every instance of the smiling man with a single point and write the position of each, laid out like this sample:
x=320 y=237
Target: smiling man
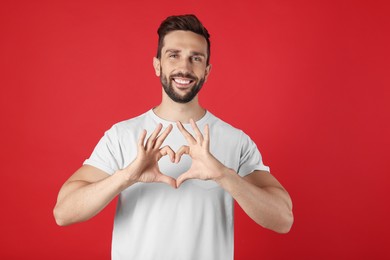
x=186 y=81
x=177 y=168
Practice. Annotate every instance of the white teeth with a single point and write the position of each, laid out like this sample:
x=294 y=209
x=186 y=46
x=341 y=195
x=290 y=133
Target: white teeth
x=182 y=81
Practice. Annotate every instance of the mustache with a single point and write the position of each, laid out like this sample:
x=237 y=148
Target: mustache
x=184 y=75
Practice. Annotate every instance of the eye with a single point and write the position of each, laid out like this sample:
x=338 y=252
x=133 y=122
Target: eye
x=197 y=58
x=173 y=56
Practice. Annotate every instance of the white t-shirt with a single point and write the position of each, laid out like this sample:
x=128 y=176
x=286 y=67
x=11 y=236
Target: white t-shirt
x=156 y=221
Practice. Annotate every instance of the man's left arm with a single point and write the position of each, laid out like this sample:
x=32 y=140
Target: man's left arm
x=259 y=194
x=262 y=198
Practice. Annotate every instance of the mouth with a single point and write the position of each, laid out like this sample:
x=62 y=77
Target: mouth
x=182 y=83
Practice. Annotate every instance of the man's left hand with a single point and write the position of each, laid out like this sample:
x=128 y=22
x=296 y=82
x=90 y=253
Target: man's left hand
x=204 y=165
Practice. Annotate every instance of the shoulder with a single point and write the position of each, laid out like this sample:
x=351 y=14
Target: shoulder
x=127 y=127
x=131 y=123
x=220 y=128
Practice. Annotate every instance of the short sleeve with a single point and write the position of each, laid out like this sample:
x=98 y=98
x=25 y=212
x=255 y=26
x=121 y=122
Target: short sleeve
x=250 y=157
x=104 y=156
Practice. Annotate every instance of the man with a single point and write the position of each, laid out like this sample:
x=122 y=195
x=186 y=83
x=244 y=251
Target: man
x=177 y=168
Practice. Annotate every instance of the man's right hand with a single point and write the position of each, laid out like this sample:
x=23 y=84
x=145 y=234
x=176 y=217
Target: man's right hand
x=89 y=189
x=145 y=167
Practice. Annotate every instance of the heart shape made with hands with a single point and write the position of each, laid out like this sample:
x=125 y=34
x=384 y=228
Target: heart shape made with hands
x=204 y=165
x=179 y=173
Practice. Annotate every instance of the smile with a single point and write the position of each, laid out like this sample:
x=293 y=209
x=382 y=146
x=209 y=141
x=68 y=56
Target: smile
x=182 y=81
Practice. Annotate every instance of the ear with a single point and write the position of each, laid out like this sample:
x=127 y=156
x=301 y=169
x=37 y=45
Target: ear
x=207 y=72
x=157 y=66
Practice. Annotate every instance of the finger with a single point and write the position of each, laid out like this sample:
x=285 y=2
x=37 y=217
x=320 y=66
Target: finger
x=190 y=139
x=198 y=134
x=167 y=150
x=152 y=138
x=141 y=139
x=166 y=179
x=162 y=137
x=183 y=150
x=207 y=135
x=182 y=178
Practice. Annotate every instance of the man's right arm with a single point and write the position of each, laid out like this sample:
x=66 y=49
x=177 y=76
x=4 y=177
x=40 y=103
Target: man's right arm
x=89 y=189
x=86 y=193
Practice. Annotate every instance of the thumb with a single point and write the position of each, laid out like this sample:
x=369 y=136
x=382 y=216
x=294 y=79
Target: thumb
x=168 y=180
x=185 y=176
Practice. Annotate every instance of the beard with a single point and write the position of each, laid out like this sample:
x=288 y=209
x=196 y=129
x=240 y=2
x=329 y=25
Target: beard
x=168 y=88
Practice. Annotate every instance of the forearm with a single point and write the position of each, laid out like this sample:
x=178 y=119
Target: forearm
x=269 y=207
x=80 y=200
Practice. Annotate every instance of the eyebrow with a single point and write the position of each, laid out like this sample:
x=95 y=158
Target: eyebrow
x=193 y=53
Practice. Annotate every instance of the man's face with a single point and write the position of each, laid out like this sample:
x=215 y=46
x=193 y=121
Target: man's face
x=182 y=68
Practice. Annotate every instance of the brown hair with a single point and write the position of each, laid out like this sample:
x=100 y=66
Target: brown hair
x=188 y=22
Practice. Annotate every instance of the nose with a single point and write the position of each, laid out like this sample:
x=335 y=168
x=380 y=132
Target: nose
x=185 y=65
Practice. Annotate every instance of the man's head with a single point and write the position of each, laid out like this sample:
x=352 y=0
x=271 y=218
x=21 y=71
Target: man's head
x=183 y=55
x=188 y=22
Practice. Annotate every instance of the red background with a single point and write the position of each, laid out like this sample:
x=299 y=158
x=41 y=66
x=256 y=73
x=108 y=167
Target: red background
x=307 y=80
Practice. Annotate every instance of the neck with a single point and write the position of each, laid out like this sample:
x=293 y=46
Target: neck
x=172 y=111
